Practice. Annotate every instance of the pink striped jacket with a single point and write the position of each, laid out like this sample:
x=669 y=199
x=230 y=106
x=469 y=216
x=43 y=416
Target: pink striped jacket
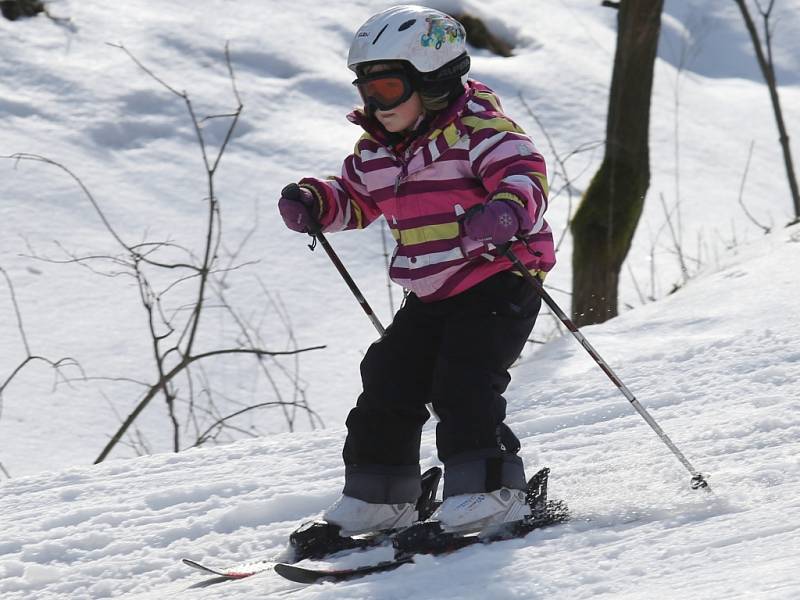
x=471 y=154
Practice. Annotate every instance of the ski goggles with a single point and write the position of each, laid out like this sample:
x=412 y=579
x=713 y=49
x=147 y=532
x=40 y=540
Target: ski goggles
x=384 y=90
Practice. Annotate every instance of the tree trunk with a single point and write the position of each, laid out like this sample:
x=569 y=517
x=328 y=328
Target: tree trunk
x=14 y=9
x=768 y=71
x=606 y=220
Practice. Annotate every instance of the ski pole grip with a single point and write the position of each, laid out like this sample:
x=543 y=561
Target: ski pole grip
x=478 y=208
x=292 y=192
x=295 y=192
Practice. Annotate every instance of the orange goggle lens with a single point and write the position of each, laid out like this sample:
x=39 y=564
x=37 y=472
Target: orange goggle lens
x=384 y=91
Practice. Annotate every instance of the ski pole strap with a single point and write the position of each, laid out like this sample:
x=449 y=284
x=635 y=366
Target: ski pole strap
x=698 y=480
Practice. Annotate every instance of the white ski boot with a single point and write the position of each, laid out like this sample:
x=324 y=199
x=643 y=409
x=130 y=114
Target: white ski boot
x=356 y=516
x=481 y=512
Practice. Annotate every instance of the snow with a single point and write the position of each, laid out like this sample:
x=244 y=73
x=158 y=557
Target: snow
x=717 y=363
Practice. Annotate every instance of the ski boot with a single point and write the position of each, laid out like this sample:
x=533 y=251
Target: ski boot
x=317 y=539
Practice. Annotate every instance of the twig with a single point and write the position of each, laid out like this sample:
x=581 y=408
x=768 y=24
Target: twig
x=202 y=437
x=38 y=158
x=642 y=299
x=741 y=190
x=767 y=67
x=168 y=376
x=173 y=332
x=675 y=241
x=29 y=356
x=568 y=184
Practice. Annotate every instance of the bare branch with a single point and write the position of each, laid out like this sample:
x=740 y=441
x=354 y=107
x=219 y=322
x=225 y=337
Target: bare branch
x=37 y=158
x=204 y=436
x=741 y=191
x=232 y=75
x=767 y=67
x=174 y=331
x=568 y=184
x=255 y=352
x=17 y=312
x=29 y=357
x=146 y=70
x=175 y=371
x=675 y=240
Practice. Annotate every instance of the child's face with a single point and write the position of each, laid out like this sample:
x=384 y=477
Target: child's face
x=400 y=117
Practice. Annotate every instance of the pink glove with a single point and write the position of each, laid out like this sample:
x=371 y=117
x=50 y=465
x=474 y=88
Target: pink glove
x=298 y=208
x=496 y=222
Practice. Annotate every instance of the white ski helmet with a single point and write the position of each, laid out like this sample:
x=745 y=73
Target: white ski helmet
x=433 y=43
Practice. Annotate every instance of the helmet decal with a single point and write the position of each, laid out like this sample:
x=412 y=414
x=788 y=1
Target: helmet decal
x=380 y=33
x=427 y=39
x=442 y=30
x=406 y=25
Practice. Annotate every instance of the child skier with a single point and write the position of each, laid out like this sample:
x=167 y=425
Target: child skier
x=435 y=146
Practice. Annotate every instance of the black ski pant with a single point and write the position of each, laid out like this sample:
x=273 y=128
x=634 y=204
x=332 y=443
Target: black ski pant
x=454 y=353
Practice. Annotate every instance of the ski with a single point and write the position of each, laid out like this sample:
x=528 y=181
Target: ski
x=335 y=546
x=309 y=575
x=318 y=539
x=240 y=571
x=429 y=538
x=424 y=538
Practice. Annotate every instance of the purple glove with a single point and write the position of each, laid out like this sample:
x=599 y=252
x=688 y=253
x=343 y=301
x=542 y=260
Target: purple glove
x=496 y=222
x=297 y=207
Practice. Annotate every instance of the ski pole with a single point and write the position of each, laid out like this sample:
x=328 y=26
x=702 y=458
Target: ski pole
x=698 y=480
x=292 y=191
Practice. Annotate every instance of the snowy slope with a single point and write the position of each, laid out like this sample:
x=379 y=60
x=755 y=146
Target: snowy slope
x=717 y=364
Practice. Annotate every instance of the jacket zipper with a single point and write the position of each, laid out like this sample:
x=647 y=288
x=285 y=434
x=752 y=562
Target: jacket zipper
x=400 y=177
x=404 y=160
